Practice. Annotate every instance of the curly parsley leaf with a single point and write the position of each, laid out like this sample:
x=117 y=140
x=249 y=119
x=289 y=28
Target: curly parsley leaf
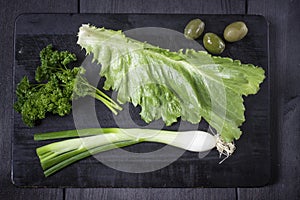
x=57 y=85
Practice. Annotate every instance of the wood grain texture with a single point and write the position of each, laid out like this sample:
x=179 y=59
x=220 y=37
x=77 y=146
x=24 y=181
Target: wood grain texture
x=9 y=10
x=283 y=17
x=293 y=44
x=253 y=150
x=287 y=183
x=157 y=6
x=149 y=194
x=277 y=12
x=165 y=6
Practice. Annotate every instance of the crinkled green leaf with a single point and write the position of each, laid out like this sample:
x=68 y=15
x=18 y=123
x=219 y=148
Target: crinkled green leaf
x=190 y=84
x=54 y=94
x=57 y=85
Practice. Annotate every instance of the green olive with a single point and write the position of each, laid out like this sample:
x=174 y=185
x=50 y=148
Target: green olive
x=235 y=31
x=213 y=43
x=194 y=29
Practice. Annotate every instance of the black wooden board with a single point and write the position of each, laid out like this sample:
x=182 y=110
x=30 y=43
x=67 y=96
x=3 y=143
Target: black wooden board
x=248 y=167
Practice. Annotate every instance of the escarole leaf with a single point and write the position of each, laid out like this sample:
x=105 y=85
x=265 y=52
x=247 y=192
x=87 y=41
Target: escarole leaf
x=188 y=84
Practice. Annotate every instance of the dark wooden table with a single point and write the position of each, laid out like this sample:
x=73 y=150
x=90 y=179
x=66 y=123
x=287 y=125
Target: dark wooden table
x=283 y=17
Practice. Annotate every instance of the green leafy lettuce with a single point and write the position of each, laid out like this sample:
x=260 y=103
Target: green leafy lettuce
x=188 y=84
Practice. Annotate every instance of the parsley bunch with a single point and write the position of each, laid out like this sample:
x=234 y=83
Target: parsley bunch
x=56 y=87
